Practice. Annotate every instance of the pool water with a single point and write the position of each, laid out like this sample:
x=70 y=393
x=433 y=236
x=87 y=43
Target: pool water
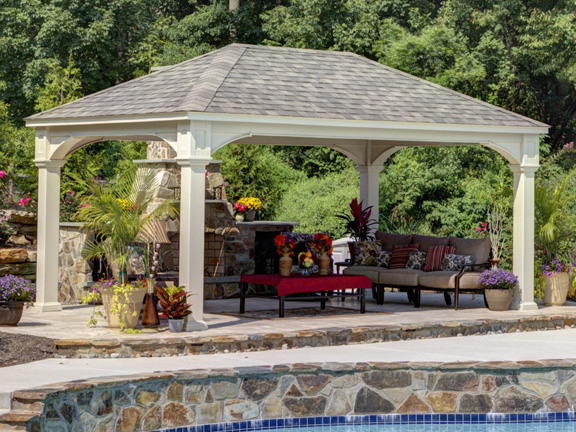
x=481 y=427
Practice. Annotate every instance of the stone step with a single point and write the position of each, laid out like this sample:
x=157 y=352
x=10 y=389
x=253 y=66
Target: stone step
x=16 y=420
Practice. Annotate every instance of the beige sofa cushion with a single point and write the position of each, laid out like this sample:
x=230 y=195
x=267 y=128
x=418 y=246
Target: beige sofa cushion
x=426 y=241
x=371 y=273
x=399 y=277
x=389 y=240
x=480 y=248
x=447 y=280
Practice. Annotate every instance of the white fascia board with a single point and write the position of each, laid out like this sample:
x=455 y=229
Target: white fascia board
x=106 y=120
x=364 y=124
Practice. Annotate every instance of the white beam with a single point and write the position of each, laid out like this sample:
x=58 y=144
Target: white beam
x=48 y=236
x=192 y=213
x=369 y=188
x=523 y=236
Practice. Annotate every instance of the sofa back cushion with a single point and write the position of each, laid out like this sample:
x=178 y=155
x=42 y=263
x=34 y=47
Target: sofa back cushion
x=400 y=254
x=479 y=248
x=426 y=241
x=435 y=256
x=366 y=252
x=389 y=240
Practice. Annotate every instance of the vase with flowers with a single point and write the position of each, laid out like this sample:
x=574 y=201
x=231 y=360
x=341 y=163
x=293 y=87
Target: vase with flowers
x=556 y=281
x=322 y=244
x=240 y=211
x=499 y=287
x=251 y=205
x=15 y=292
x=285 y=247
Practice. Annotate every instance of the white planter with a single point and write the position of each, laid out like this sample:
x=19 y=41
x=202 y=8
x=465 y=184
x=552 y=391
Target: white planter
x=498 y=299
x=136 y=298
x=175 y=325
x=556 y=289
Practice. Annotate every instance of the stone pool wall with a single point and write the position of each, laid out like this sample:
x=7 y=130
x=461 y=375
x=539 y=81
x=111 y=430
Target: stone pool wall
x=164 y=400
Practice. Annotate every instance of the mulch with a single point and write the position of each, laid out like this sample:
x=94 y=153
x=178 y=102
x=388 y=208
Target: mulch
x=19 y=349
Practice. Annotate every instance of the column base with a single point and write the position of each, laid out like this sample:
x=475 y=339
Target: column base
x=191 y=325
x=525 y=306
x=46 y=307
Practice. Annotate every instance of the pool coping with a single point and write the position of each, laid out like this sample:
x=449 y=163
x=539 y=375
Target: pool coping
x=333 y=336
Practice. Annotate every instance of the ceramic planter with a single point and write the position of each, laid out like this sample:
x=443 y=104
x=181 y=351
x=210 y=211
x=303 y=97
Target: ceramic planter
x=285 y=265
x=324 y=264
x=556 y=288
x=175 y=325
x=135 y=299
x=250 y=215
x=498 y=299
x=10 y=313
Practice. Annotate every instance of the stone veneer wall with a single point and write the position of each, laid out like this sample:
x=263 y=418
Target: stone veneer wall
x=74 y=272
x=163 y=400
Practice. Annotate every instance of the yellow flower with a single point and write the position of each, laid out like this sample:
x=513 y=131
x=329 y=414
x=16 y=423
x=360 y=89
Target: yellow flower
x=251 y=203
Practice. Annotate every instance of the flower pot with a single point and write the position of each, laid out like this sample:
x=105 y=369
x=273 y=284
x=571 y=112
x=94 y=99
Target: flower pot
x=285 y=265
x=556 y=288
x=175 y=325
x=494 y=263
x=10 y=313
x=135 y=299
x=239 y=217
x=498 y=299
x=323 y=264
x=150 y=318
x=250 y=215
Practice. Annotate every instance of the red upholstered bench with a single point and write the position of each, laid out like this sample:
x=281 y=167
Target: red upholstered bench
x=298 y=284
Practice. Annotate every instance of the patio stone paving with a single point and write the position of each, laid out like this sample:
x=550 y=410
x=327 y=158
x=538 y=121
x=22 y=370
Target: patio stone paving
x=229 y=332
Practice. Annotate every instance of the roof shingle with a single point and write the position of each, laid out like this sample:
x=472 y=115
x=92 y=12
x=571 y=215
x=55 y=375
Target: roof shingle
x=261 y=80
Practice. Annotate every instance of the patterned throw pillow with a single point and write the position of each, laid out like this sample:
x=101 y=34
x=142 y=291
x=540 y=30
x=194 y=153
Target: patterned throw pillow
x=383 y=259
x=453 y=262
x=366 y=252
x=416 y=260
x=435 y=256
x=400 y=254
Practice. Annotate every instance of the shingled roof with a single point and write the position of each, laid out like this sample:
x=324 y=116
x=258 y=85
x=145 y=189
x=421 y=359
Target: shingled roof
x=275 y=81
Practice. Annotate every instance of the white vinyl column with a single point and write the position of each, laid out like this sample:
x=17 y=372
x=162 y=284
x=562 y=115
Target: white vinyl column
x=523 y=236
x=192 y=201
x=369 y=187
x=48 y=236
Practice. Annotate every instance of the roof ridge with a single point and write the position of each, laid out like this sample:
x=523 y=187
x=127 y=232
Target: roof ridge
x=125 y=83
x=218 y=81
x=285 y=48
x=449 y=90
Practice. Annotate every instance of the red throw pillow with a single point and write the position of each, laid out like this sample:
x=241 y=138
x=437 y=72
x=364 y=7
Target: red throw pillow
x=435 y=256
x=400 y=254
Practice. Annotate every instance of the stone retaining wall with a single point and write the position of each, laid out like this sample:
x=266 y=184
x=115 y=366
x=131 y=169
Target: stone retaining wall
x=164 y=400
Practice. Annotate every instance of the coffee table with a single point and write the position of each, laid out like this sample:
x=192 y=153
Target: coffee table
x=299 y=284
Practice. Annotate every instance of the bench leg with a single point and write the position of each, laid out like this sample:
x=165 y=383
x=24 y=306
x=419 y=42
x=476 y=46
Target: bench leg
x=447 y=298
x=416 y=297
x=243 y=289
x=363 y=301
x=281 y=307
x=380 y=294
x=323 y=301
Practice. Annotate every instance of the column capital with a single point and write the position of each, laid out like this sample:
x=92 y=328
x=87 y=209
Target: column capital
x=58 y=163
x=524 y=169
x=194 y=161
x=370 y=168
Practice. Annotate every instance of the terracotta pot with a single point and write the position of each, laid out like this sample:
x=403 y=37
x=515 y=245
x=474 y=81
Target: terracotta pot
x=285 y=265
x=239 y=217
x=498 y=299
x=323 y=264
x=556 y=288
x=175 y=325
x=136 y=297
x=10 y=313
x=250 y=215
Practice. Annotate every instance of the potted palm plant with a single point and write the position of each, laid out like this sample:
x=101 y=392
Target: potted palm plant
x=553 y=228
x=116 y=215
x=174 y=306
x=499 y=287
x=358 y=226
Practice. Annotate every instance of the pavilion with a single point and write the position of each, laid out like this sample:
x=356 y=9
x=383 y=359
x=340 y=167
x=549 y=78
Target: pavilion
x=278 y=96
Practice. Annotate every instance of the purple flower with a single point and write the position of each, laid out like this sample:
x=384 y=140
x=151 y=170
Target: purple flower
x=498 y=278
x=14 y=288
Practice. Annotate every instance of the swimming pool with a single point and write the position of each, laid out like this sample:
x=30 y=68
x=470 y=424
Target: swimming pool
x=539 y=422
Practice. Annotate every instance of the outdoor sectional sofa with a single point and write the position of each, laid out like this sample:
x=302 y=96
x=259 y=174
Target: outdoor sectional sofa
x=415 y=281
